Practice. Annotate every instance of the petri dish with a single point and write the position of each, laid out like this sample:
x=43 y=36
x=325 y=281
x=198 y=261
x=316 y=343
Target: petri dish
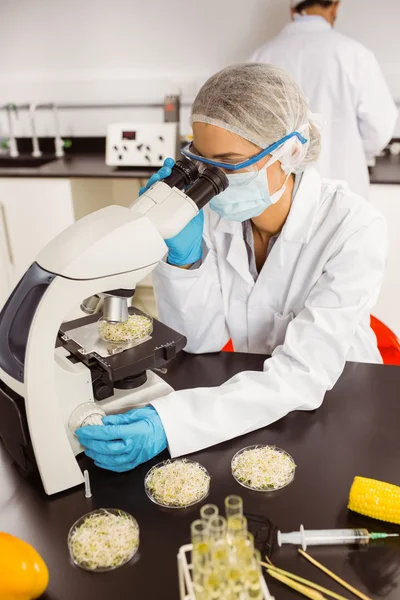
x=135 y=330
x=263 y=468
x=168 y=483
x=103 y=527
x=87 y=413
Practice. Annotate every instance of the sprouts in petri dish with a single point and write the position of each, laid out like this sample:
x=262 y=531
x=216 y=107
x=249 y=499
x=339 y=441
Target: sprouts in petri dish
x=103 y=540
x=92 y=419
x=263 y=468
x=87 y=413
x=177 y=483
x=134 y=329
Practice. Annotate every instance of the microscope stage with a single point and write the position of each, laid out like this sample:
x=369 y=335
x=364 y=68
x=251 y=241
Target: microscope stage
x=81 y=339
x=87 y=337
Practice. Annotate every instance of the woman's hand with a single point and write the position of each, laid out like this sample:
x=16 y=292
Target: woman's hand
x=162 y=173
x=186 y=247
x=125 y=441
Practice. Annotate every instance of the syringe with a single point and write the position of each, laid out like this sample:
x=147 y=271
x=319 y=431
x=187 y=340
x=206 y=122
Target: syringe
x=326 y=537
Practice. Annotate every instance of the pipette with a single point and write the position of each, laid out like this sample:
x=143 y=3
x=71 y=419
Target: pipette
x=326 y=537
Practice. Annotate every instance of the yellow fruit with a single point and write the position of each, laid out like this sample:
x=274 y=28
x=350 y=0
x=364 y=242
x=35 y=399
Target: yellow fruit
x=23 y=572
x=375 y=499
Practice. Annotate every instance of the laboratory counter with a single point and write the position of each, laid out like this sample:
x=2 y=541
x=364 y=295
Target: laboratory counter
x=86 y=159
x=386 y=171
x=355 y=432
x=86 y=166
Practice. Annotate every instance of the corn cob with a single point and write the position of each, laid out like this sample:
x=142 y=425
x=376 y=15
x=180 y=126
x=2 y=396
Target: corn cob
x=375 y=499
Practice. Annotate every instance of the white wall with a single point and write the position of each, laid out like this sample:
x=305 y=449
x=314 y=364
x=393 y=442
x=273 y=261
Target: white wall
x=86 y=51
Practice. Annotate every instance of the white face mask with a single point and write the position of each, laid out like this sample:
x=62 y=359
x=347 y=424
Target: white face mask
x=247 y=195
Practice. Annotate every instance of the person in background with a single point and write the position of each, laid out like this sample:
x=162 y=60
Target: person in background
x=281 y=262
x=343 y=82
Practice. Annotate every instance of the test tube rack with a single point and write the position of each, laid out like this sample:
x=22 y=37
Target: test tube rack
x=185 y=568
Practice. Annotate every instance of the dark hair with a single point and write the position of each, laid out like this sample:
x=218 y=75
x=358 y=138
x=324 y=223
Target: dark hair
x=309 y=3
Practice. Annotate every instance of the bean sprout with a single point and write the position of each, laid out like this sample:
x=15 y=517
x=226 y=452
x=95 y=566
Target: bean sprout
x=135 y=328
x=178 y=483
x=104 y=540
x=263 y=468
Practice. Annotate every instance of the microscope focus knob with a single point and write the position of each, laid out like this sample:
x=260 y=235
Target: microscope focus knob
x=102 y=390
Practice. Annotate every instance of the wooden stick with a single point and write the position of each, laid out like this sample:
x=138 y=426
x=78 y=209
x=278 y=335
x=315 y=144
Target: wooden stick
x=304 y=581
x=302 y=589
x=343 y=583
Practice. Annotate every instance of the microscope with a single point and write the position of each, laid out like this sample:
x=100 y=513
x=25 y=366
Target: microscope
x=49 y=370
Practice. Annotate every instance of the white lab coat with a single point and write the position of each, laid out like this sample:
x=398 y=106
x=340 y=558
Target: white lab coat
x=310 y=307
x=344 y=83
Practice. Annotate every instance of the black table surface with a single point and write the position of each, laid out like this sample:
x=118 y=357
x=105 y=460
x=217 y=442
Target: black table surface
x=355 y=432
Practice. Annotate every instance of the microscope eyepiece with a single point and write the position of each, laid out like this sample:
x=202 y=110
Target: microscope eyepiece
x=210 y=183
x=200 y=184
x=184 y=172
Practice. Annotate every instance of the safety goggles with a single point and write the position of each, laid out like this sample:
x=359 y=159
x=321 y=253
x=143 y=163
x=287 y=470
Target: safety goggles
x=189 y=152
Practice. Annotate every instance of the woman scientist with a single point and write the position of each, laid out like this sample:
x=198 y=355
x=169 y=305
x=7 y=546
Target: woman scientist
x=281 y=262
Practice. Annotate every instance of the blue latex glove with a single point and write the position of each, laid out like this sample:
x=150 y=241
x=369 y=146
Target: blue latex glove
x=165 y=171
x=186 y=247
x=125 y=441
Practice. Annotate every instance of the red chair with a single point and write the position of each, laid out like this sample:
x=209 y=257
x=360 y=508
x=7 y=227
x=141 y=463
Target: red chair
x=388 y=342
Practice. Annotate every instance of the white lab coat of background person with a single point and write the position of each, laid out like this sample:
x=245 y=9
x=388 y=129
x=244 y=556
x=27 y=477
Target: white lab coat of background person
x=344 y=83
x=309 y=307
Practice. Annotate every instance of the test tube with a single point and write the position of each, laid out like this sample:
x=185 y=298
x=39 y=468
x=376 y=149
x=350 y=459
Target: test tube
x=88 y=491
x=199 y=576
x=200 y=541
x=220 y=556
x=217 y=529
x=200 y=557
x=253 y=578
x=213 y=587
x=198 y=532
x=235 y=582
x=218 y=542
x=233 y=506
x=237 y=527
x=243 y=550
x=208 y=511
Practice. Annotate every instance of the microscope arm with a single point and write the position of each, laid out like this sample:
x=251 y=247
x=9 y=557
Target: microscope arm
x=169 y=209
